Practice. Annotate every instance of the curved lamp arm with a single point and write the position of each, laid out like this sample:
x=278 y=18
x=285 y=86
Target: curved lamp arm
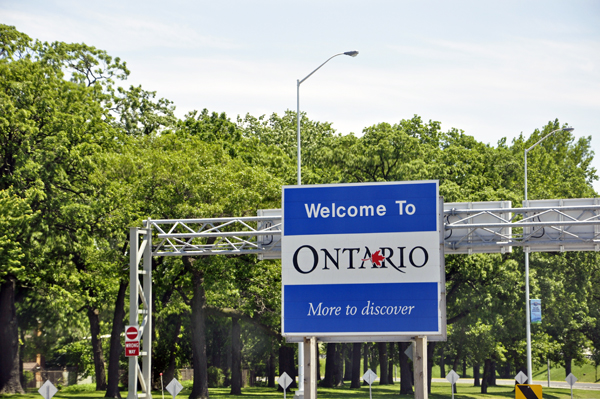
x=298 y=82
x=564 y=129
x=350 y=53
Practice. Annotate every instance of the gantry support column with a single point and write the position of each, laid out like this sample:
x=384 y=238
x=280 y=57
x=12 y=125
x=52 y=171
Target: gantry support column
x=140 y=292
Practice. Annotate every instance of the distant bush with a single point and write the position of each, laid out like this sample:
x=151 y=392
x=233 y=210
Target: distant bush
x=79 y=388
x=216 y=377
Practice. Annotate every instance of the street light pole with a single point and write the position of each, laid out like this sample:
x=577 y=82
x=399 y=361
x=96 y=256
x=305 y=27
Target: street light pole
x=526 y=204
x=300 y=392
x=298 y=83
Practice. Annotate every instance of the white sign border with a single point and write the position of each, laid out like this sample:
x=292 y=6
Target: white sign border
x=353 y=337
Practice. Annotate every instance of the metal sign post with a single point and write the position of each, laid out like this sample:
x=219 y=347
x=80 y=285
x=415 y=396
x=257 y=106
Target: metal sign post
x=284 y=381
x=453 y=378
x=174 y=387
x=48 y=390
x=521 y=378
x=571 y=380
x=369 y=378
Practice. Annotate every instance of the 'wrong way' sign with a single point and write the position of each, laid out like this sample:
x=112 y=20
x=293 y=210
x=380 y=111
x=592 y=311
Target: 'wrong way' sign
x=132 y=341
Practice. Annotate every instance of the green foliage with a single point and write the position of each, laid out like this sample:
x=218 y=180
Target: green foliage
x=216 y=377
x=15 y=217
x=76 y=354
x=83 y=159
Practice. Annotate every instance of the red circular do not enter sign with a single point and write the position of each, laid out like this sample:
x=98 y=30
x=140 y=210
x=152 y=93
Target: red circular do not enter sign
x=131 y=333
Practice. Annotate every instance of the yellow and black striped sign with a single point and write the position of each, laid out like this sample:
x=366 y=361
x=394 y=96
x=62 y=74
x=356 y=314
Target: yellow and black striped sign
x=524 y=391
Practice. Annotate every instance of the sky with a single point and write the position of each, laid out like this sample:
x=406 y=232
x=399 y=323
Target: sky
x=493 y=69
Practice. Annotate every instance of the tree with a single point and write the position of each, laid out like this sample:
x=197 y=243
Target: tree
x=51 y=129
x=15 y=216
x=216 y=185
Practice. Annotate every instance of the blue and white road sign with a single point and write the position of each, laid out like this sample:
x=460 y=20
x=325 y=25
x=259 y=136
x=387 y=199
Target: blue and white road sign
x=361 y=259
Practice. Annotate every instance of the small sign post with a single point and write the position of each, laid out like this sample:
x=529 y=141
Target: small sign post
x=48 y=390
x=132 y=341
x=284 y=380
x=453 y=378
x=409 y=351
x=571 y=379
x=526 y=391
x=174 y=387
x=162 y=388
x=521 y=378
x=369 y=378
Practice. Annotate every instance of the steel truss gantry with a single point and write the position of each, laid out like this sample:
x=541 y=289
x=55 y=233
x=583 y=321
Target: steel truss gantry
x=469 y=228
x=478 y=227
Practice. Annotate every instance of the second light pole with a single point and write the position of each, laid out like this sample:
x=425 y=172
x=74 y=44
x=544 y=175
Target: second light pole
x=298 y=83
x=526 y=249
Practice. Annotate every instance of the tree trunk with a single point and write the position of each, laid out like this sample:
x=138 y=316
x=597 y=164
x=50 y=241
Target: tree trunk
x=356 y=365
x=286 y=364
x=456 y=360
x=100 y=372
x=339 y=365
x=347 y=362
x=476 y=375
x=318 y=364
x=198 y=328
x=506 y=373
x=567 y=368
x=271 y=370
x=383 y=363
x=329 y=380
x=492 y=377
x=236 y=357
x=442 y=363
x=430 y=350
x=169 y=373
x=365 y=360
x=406 y=387
x=112 y=390
x=10 y=381
x=391 y=364
x=487 y=365
x=464 y=368
x=365 y=357
x=22 y=356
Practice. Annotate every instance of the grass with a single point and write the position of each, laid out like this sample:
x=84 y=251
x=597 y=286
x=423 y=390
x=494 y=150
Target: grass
x=439 y=391
x=585 y=373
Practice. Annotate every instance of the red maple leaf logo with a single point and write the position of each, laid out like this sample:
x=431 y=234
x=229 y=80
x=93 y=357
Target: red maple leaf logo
x=376 y=258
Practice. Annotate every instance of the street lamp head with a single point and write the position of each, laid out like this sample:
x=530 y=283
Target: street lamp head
x=568 y=129
x=351 y=53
